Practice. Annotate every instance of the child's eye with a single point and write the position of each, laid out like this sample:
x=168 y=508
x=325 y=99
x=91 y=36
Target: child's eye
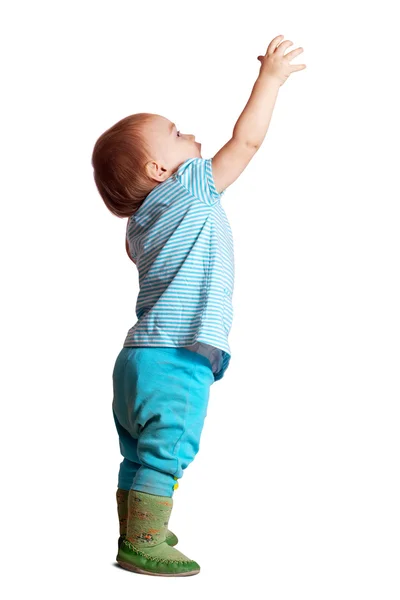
x=177 y=133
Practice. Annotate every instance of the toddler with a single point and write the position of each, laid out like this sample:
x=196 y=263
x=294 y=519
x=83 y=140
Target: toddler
x=181 y=242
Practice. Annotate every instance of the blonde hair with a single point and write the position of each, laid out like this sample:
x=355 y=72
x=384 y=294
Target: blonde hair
x=118 y=159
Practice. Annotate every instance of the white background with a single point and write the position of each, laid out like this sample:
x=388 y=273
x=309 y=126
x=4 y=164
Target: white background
x=295 y=491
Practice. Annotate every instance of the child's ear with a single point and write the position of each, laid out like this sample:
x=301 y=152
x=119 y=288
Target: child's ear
x=156 y=171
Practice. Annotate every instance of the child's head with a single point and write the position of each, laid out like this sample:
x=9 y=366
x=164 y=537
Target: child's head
x=134 y=156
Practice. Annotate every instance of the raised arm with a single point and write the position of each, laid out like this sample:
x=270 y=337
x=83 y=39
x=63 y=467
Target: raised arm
x=252 y=125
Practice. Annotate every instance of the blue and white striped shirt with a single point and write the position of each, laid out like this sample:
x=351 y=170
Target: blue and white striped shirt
x=181 y=242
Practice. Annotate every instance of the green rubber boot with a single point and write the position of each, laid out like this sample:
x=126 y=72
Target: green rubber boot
x=144 y=549
x=122 y=505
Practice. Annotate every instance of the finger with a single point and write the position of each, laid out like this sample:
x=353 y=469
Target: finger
x=273 y=44
x=297 y=67
x=291 y=55
x=282 y=47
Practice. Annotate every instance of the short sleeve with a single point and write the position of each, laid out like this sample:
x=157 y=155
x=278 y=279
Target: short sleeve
x=196 y=175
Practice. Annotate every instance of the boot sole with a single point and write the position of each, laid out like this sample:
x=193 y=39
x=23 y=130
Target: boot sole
x=135 y=569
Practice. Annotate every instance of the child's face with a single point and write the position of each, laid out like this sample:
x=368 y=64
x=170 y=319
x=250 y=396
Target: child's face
x=169 y=147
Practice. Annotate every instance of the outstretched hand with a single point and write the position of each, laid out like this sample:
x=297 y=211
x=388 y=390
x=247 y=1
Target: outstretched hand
x=276 y=64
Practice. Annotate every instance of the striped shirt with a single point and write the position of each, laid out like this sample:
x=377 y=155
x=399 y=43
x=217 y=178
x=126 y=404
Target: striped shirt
x=181 y=242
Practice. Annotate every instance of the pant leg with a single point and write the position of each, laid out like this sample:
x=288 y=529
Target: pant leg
x=127 y=444
x=161 y=400
x=130 y=464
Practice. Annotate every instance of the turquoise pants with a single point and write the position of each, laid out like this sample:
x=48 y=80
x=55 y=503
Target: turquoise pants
x=159 y=406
